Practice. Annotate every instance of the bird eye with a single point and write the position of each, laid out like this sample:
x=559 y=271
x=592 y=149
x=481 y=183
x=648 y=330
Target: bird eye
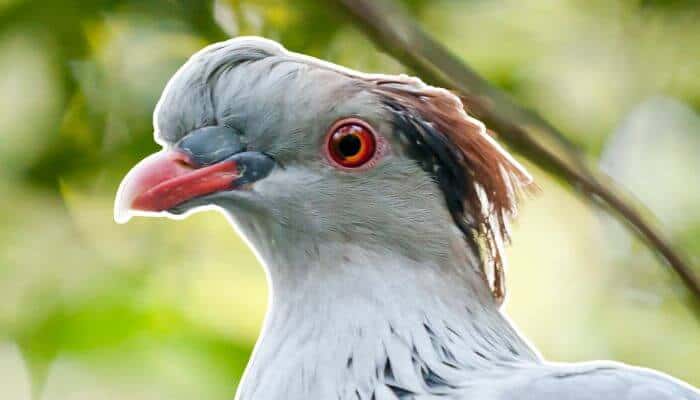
x=351 y=143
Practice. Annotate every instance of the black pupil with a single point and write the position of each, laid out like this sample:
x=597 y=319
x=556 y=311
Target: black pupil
x=349 y=145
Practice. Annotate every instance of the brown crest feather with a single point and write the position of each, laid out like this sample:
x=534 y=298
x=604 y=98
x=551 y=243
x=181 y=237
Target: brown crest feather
x=495 y=179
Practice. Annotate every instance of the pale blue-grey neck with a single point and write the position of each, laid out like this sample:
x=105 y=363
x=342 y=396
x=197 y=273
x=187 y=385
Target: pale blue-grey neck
x=347 y=321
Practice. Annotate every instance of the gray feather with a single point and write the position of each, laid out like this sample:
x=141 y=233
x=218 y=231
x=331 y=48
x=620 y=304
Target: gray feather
x=595 y=381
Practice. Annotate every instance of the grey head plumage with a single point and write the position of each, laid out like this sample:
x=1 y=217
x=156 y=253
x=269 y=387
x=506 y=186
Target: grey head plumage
x=283 y=103
x=378 y=208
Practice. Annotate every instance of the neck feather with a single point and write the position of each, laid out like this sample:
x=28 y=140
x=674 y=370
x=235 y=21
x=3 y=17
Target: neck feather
x=344 y=320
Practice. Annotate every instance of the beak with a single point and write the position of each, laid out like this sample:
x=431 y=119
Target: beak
x=169 y=178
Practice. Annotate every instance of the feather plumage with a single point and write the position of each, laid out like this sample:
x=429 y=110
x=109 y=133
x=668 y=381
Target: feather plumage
x=374 y=294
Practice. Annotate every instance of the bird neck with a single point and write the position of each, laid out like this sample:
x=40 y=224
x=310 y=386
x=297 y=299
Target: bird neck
x=345 y=320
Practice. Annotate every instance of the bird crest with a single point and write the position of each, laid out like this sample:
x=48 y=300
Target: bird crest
x=481 y=182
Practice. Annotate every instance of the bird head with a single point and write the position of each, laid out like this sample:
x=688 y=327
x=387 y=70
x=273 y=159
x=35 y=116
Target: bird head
x=298 y=152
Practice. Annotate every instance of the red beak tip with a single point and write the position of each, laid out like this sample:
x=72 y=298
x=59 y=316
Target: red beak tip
x=166 y=179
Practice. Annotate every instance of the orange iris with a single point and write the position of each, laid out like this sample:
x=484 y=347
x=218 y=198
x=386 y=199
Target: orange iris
x=352 y=145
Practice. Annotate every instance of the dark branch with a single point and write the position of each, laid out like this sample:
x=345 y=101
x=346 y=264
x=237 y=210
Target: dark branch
x=523 y=130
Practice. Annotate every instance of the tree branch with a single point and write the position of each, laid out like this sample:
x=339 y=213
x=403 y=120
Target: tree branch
x=523 y=130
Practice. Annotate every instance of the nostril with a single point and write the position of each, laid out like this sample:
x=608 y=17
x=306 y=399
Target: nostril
x=183 y=159
x=184 y=163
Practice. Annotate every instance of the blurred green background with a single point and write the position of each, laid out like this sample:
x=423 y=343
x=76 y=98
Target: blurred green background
x=158 y=309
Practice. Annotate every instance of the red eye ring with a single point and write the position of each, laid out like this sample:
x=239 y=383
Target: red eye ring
x=351 y=143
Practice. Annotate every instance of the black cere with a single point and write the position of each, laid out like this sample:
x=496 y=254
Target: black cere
x=211 y=144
